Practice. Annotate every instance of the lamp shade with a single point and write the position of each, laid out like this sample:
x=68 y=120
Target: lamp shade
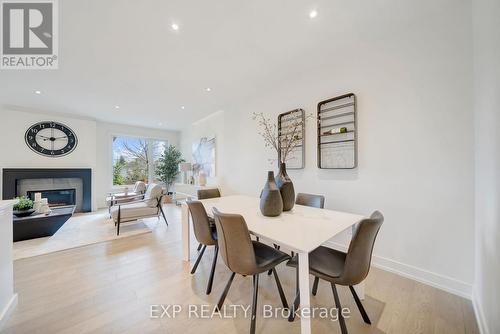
x=185 y=166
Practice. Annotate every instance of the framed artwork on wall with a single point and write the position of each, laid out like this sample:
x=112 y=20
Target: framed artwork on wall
x=292 y=123
x=204 y=154
x=337 y=133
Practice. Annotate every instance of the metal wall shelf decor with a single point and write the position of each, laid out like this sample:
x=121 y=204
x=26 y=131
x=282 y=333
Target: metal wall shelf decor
x=337 y=133
x=286 y=120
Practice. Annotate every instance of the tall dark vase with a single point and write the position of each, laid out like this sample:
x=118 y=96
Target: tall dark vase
x=271 y=204
x=285 y=186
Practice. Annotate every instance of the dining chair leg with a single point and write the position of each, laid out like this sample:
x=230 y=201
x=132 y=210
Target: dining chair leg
x=212 y=272
x=224 y=293
x=254 y=303
x=360 y=306
x=296 y=302
x=343 y=327
x=199 y=247
x=198 y=259
x=280 y=289
x=294 y=308
x=315 y=286
x=163 y=214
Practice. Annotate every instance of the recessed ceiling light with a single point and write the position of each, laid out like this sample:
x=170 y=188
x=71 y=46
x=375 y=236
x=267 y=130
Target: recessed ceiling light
x=208 y=89
x=38 y=92
x=175 y=26
x=160 y=124
x=313 y=14
x=182 y=107
x=117 y=107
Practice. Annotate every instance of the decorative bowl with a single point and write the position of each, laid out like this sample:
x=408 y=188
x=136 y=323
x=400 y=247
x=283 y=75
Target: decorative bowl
x=23 y=213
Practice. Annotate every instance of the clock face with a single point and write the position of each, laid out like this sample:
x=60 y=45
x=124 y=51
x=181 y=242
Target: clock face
x=51 y=139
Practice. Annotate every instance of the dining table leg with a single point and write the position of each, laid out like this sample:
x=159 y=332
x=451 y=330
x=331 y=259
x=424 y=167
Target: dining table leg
x=305 y=301
x=186 y=247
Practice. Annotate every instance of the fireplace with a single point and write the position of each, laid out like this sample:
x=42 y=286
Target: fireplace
x=58 y=185
x=56 y=197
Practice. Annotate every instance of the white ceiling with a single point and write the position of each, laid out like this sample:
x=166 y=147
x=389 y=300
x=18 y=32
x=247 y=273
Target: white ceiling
x=116 y=52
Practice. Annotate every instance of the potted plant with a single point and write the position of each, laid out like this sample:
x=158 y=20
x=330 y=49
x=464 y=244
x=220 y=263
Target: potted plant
x=167 y=168
x=23 y=207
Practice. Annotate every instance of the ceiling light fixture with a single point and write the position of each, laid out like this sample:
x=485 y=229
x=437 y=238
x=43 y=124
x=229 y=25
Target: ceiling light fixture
x=182 y=107
x=117 y=107
x=313 y=14
x=208 y=89
x=175 y=26
x=38 y=92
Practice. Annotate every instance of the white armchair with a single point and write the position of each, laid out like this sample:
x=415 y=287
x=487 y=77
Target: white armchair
x=150 y=206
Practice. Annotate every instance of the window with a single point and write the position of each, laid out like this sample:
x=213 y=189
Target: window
x=135 y=159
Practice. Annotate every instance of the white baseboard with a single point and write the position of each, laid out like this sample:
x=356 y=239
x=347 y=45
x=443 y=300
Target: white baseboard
x=441 y=282
x=478 y=311
x=7 y=310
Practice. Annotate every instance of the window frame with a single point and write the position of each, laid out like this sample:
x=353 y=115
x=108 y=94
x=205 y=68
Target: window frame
x=149 y=140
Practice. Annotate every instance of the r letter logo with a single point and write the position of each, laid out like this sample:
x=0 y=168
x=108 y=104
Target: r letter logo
x=29 y=34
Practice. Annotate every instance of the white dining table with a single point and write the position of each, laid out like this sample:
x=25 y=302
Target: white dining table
x=301 y=230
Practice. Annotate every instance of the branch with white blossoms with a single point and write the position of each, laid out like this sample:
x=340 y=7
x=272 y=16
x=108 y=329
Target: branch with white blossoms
x=286 y=141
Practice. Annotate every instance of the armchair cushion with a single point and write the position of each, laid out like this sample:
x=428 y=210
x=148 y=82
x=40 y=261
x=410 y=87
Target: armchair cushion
x=133 y=211
x=152 y=195
x=140 y=187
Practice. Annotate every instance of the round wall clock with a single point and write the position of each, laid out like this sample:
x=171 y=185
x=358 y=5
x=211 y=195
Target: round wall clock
x=51 y=139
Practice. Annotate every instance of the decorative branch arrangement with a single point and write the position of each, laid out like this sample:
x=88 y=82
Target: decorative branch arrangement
x=287 y=141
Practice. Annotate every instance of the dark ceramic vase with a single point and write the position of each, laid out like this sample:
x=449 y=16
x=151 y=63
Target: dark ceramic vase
x=285 y=186
x=271 y=204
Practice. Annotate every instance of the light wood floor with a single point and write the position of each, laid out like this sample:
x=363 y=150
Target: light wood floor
x=109 y=287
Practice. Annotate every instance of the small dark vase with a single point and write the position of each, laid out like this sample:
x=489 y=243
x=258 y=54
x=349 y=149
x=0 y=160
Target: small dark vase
x=285 y=186
x=271 y=204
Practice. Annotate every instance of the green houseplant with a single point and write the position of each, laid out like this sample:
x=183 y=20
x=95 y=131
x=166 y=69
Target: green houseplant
x=23 y=207
x=167 y=168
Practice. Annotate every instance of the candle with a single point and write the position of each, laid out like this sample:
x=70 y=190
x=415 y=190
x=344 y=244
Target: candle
x=38 y=197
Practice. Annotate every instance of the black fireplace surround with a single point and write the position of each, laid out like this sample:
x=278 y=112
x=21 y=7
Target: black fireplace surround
x=11 y=177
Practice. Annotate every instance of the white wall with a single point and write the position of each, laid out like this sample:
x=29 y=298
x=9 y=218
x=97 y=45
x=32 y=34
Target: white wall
x=93 y=149
x=487 y=144
x=8 y=298
x=105 y=132
x=412 y=75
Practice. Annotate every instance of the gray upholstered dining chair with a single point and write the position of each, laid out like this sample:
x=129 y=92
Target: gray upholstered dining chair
x=206 y=234
x=315 y=201
x=150 y=206
x=348 y=269
x=206 y=194
x=246 y=257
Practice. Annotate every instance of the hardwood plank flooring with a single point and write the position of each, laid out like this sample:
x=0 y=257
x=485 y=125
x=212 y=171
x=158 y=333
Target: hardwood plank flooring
x=110 y=287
